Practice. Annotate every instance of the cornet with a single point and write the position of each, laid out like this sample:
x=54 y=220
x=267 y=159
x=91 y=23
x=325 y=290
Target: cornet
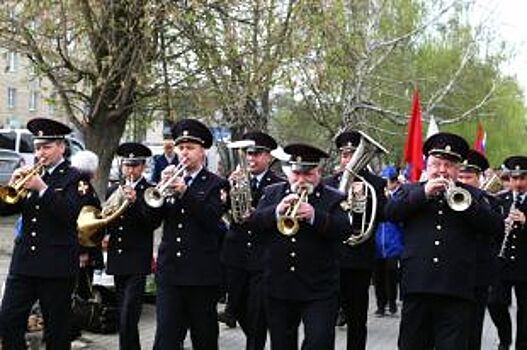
x=287 y=224
x=155 y=196
x=14 y=192
x=457 y=198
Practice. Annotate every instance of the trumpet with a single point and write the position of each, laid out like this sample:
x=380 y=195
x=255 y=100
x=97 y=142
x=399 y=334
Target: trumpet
x=457 y=198
x=155 y=196
x=287 y=224
x=15 y=191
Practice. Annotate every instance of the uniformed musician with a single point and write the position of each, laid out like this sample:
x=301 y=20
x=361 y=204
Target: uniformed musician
x=130 y=245
x=301 y=270
x=513 y=258
x=45 y=258
x=471 y=172
x=440 y=245
x=356 y=262
x=188 y=265
x=242 y=251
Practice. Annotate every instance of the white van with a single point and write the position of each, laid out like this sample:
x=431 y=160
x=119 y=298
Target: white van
x=21 y=141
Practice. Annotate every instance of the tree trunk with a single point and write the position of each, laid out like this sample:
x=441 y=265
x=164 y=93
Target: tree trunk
x=103 y=140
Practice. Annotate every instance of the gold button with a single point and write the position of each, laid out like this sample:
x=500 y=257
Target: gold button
x=292 y=268
x=120 y=251
x=436 y=242
x=180 y=226
x=33 y=234
x=37 y=207
x=293 y=239
x=440 y=212
x=438 y=227
x=249 y=244
x=293 y=254
x=250 y=232
x=33 y=248
x=435 y=260
x=513 y=257
x=178 y=254
x=119 y=239
x=178 y=239
x=34 y=219
x=120 y=228
x=182 y=211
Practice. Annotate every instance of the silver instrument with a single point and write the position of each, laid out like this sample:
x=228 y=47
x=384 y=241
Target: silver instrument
x=155 y=196
x=509 y=226
x=356 y=203
x=457 y=198
x=240 y=187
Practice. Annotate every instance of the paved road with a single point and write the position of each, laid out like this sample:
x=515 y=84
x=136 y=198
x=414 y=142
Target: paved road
x=382 y=332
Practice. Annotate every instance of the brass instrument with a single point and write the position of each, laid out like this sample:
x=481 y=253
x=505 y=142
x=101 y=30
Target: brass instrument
x=492 y=185
x=15 y=191
x=92 y=219
x=356 y=203
x=155 y=196
x=457 y=198
x=509 y=226
x=287 y=223
x=240 y=188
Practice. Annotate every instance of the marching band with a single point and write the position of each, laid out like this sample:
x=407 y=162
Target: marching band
x=288 y=249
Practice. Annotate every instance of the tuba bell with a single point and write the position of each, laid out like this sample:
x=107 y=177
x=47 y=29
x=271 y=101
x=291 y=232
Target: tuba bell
x=92 y=219
x=356 y=203
x=15 y=191
x=240 y=189
x=287 y=224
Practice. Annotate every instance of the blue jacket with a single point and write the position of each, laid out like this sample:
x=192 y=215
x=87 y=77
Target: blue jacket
x=388 y=240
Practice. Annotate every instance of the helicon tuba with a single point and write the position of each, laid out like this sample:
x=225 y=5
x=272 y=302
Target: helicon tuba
x=15 y=191
x=92 y=219
x=356 y=203
x=240 y=188
x=287 y=224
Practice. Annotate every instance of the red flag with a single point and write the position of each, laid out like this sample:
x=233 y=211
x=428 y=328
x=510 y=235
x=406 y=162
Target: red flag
x=479 y=141
x=413 y=153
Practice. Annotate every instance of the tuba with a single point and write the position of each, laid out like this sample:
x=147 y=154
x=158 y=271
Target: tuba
x=240 y=188
x=155 y=196
x=287 y=224
x=356 y=203
x=15 y=191
x=92 y=219
x=492 y=184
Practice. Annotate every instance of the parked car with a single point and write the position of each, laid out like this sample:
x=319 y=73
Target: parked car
x=9 y=161
x=21 y=141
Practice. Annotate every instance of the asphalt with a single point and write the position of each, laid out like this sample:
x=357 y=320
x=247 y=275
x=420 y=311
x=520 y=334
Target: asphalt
x=382 y=331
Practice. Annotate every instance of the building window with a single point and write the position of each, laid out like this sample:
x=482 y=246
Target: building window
x=11 y=61
x=33 y=98
x=11 y=98
x=52 y=103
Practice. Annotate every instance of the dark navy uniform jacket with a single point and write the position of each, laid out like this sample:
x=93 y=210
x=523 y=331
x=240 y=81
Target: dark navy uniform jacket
x=189 y=253
x=515 y=262
x=48 y=246
x=302 y=267
x=362 y=256
x=160 y=163
x=130 y=247
x=242 y=248
x=439 y=255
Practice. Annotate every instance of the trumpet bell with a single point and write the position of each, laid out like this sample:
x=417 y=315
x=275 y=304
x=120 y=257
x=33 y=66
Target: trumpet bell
x=153 y=197
x=10 y=195
x=458 y=199
x=287 y=225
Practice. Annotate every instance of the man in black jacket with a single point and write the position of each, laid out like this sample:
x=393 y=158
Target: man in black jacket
x=188 y=264
x=301 y=269
x=242 y=251
x=513 y=258
x=45 y=258
x=130 y=247
x=440 y=246
x=356 y=261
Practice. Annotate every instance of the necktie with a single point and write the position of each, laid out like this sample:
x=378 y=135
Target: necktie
x=254 y=184
x=187 y=180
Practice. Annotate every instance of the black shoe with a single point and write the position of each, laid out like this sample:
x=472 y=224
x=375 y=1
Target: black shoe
x=228 y=319
x=503 y=346
x=379 y=313
x=341 y=319
x=393 y=309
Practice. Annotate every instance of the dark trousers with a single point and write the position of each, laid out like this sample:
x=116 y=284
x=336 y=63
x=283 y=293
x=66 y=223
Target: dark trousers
x=129 y=290
x=354 y=298
x=246 y=301
x=179 y=308
x=499 y=302
x=434 y=322
x=318 y=317
x=54 y=295
x=385 y=281
x=478 y=315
